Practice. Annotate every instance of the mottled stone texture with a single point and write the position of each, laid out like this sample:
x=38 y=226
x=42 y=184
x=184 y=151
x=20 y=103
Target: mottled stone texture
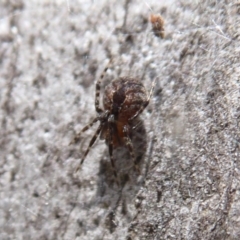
x=51 y=52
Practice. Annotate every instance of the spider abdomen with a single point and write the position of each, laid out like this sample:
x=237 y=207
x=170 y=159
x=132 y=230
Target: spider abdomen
x=124 y=97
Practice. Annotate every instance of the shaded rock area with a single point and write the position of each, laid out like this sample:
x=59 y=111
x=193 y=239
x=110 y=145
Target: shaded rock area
x=52 y=52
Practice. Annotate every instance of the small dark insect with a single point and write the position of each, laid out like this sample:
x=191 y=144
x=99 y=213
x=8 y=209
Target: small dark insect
x=157 y=25
x=124 y=100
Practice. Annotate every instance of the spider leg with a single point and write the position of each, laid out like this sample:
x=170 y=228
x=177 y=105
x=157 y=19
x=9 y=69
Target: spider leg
x=98 y=87
x=128 y=143
x=146 y=103
x=90 y=145
x=110 y=147
x=139 y=123
x=77 y=137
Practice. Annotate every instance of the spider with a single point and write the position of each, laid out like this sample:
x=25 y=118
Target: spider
x=124 y=100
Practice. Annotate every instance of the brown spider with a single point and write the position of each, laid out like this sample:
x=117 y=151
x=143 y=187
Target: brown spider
x=124 y=100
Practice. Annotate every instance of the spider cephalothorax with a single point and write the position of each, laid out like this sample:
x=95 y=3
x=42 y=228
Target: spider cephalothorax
x=123 y=100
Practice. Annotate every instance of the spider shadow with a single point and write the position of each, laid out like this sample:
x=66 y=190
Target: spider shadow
x=121 y=198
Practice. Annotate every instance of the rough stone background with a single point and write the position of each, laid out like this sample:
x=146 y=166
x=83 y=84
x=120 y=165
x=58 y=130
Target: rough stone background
x=52 y=52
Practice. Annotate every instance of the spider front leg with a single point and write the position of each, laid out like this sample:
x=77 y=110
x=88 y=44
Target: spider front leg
x=90 y=145
x=77 y=137
x=129 y=145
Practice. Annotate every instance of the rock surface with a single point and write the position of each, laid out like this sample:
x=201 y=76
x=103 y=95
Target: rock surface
x=52 y=52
